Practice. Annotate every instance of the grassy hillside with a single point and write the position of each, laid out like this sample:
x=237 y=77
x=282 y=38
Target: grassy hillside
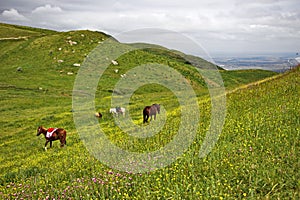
x=255 y=157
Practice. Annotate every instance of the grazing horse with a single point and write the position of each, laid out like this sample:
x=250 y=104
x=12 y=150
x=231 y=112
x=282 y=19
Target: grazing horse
x=98 y=114
x=57 y=134
x=149 y=111
x=117 y=111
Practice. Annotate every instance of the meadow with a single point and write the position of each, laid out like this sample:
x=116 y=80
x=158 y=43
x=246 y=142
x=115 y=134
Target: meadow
x=255 y=157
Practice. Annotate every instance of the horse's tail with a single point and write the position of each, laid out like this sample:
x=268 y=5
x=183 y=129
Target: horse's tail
x=63 y=138
x=65 y=134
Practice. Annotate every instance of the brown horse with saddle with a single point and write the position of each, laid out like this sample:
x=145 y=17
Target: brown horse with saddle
x=52 y=134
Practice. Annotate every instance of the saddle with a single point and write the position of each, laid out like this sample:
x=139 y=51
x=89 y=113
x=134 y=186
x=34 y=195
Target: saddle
x=50 y=131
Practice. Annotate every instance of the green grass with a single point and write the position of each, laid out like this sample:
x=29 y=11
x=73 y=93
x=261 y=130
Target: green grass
x=22 y=32
x=256 y=156
x=235 y=78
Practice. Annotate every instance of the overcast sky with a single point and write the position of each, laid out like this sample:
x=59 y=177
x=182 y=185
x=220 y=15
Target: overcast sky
x=229 y=26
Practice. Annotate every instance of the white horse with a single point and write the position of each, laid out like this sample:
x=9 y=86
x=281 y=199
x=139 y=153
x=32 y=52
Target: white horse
x=114 y=111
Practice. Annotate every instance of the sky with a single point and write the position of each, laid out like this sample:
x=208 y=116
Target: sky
x=232 y=27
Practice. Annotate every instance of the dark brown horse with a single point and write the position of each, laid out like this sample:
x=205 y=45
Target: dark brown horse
x=58 y=134
x=150 y=111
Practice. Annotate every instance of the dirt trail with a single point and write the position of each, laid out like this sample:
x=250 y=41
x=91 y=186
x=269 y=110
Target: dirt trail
x=16 y=38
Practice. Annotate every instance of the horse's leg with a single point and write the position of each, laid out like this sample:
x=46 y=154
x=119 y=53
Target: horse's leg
x=50 y=144
x=46 y=145
x=145 y=117
x=62 y=142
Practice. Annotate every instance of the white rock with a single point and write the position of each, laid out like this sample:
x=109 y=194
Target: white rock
x=114 y=62
x=76 y=65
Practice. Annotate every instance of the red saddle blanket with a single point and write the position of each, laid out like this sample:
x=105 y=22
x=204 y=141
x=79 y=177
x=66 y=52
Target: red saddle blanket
x=50 y=131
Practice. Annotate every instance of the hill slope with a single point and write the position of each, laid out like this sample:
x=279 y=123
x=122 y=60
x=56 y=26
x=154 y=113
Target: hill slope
x=255 y=156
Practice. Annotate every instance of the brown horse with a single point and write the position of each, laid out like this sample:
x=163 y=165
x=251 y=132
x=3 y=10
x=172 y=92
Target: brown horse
x=98 y=114
x=150 y=111
x=58 y=134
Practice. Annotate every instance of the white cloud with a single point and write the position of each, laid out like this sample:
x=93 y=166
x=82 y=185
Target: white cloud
x=47 y=9
x=48 y=16
x=13 y=15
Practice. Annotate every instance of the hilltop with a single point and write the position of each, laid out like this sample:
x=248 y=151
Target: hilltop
x=9 y=31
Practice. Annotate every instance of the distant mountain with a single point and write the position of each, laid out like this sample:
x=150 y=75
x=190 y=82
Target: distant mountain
x=272 y=63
